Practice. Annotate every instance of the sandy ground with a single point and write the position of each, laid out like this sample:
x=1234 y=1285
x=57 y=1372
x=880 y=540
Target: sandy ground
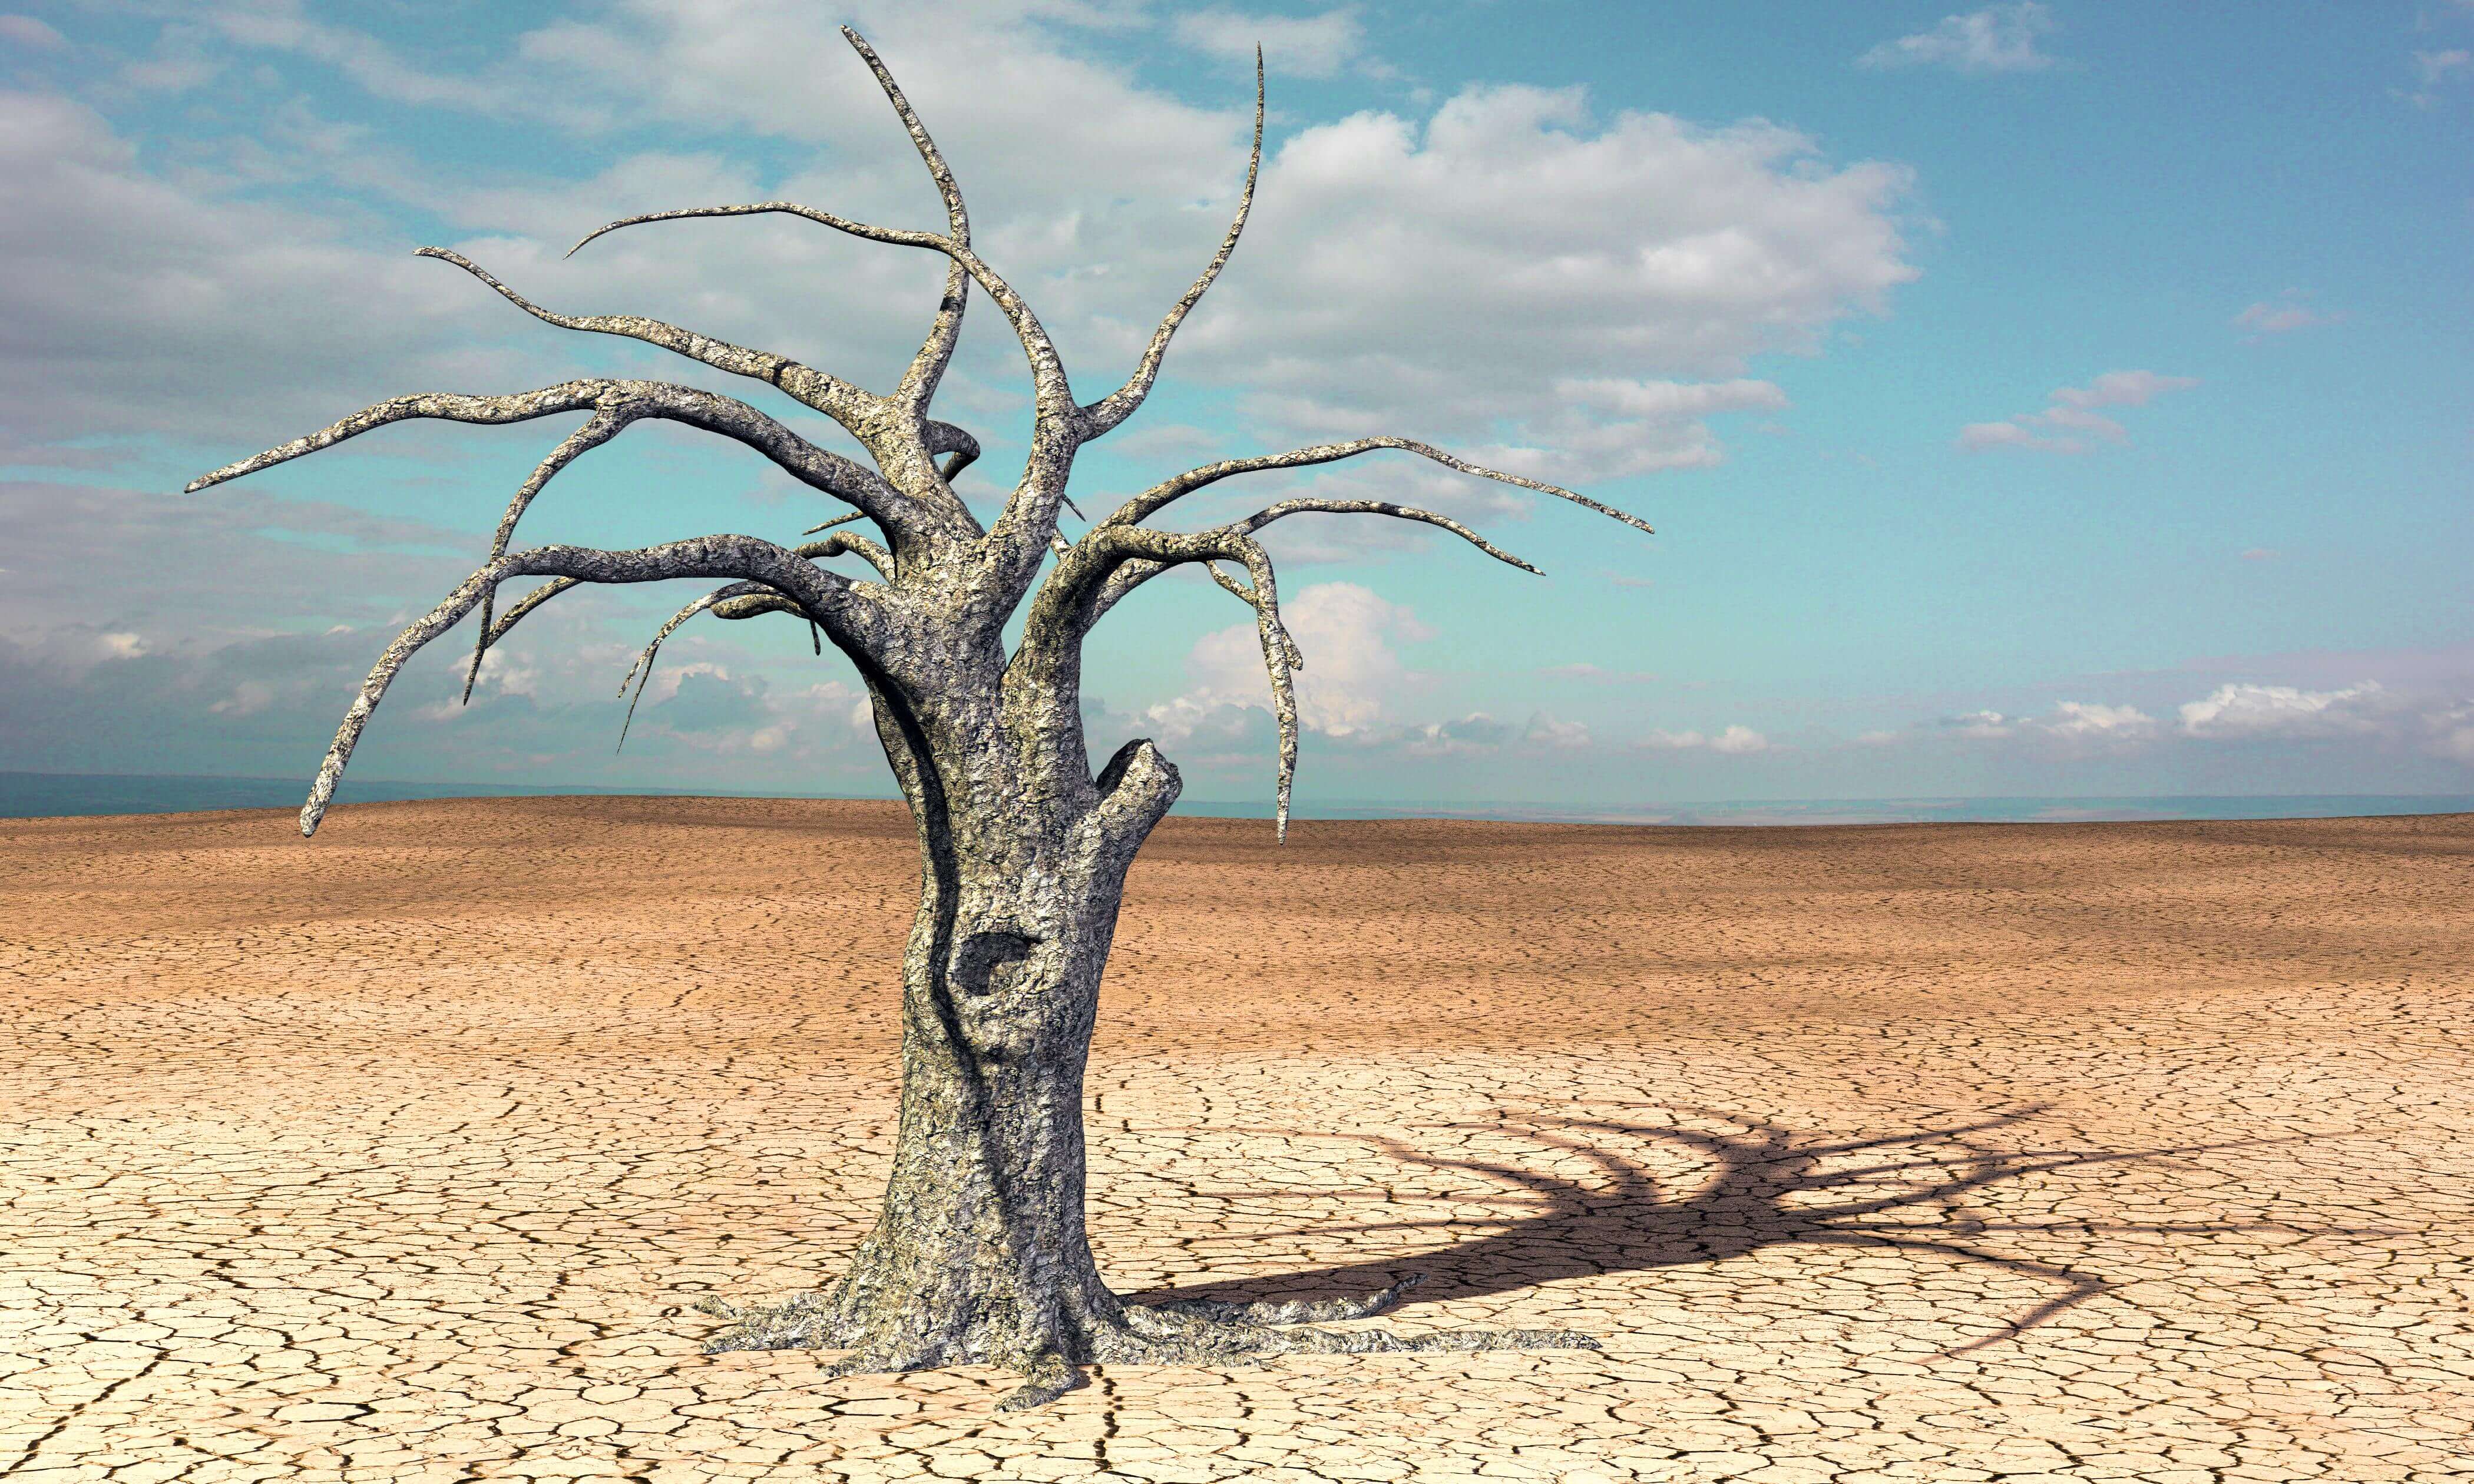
x=1924 y=1153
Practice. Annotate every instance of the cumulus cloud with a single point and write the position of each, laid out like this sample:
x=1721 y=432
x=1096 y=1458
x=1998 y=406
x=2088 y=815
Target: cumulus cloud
x=1735 y=741
x=2451 y=733
x=386 y=73
x=1581 y=263
x=1568 y=293
x=2093 y=718
x=1996 y=38
x=1547 y=730
x=1357 y=689
x=226 y=631
x=2295 y=733
x=1354 y=678
x=1979 y=724
x=1315 y=46
x=2246 y=709
x=2072 y=411
x=1610 y=278
x=141 y=305
x=2078 y=721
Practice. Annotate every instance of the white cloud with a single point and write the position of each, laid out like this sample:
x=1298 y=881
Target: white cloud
x=1976 y=437
x=1476 y=733
x=2434 y=70
x=1315 y=46
x=139 y=305
x=2452 y=734
x=1735 y=741
x=1739 y=740
x=1353 y=675
x=2122 y=389
x=2282 y=316
x=1354 y=687
x=1595 y=287
x=1668 y=401
x=1549 y=731
x=2072 y=411
x=384 y=73
x=2246 y=709
x=1996 y=38
x=1585 y=292
x=2092 y=719
x=248 y=698
x=2249 y=726
x=33 y=35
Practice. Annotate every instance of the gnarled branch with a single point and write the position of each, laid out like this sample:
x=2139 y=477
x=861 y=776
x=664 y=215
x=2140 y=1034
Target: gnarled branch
x=1047 y=370
x=644 y=660
x=598 y=429
x=1159 y=495
x=841 y=541
x=1119 y=405
x=830 y=394
x=803 y=461
x=1078 y=592
x=928 y=367
x=944 y=438
x=826 y=597
x=1308 y=506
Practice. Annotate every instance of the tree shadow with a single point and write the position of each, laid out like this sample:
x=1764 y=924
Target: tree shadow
x=1762 y=1187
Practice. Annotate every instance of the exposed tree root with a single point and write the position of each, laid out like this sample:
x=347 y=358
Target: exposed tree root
x=1191 y=1331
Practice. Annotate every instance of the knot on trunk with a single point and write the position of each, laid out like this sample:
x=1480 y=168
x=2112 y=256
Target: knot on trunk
x=991 y=962
x=996 y=987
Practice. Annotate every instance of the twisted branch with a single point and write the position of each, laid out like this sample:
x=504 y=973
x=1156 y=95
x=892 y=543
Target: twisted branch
x=1168 y=490
x=598 y=429
x=826 y=597
x=1279 y=653
x=1119 y=405
x=842 y=478
x=644 y=660
x=830 y=394
x=525 y=605
x=1085 y=582
x=1304 y=507
x=928 y=367
x=841 y=541
x=1047 y=371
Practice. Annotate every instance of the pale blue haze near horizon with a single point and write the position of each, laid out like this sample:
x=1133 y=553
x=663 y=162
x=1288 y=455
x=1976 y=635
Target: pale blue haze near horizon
x=2054 y=401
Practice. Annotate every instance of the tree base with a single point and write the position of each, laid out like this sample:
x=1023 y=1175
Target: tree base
x=1191 y=1331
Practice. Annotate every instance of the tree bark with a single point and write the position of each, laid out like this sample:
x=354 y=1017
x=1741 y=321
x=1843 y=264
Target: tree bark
x=981 y=1250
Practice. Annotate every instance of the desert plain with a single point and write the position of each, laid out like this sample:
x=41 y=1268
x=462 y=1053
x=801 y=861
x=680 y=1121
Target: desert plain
x=2097 y=1152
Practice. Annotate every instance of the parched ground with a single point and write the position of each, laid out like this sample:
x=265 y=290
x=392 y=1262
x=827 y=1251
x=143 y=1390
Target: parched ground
x=1922 y=1152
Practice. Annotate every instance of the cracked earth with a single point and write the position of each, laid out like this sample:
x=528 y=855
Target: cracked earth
x=1907 y=1153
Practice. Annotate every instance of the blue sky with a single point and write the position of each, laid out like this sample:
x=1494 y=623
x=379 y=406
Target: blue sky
x=2051 y=398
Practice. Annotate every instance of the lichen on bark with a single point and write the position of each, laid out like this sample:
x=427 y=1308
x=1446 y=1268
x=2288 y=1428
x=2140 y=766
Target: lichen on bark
x=979 y=1252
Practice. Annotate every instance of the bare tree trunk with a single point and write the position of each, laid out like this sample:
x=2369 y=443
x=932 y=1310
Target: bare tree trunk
x=981 y=1252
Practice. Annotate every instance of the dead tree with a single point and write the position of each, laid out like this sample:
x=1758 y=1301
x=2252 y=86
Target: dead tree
x=980 y=1253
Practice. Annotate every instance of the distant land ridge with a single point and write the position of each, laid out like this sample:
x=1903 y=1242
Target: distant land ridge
x=42 y=795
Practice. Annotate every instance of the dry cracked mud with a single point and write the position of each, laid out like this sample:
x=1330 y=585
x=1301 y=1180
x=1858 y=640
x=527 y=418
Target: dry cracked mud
x=1907 y=1153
